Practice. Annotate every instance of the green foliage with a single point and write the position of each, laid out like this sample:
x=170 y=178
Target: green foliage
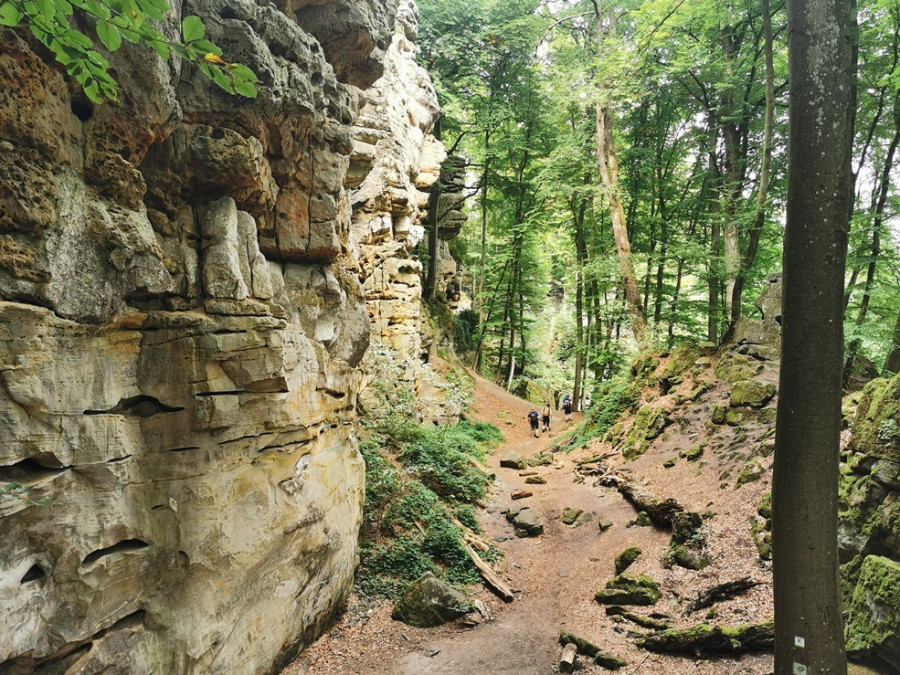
x=612 y=399
x=20 y=492
x=52 y=22
x=465 y=330
x=418 y=478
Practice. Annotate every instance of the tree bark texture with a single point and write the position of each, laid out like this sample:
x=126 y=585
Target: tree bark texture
x=808 y=623
x=609 y=172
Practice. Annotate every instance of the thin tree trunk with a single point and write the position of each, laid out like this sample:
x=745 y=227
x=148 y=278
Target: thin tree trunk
x=878 y=218
x=759 y=218
x=484 y=218
x=713 y=281
x=609 y=173
x=809 y=630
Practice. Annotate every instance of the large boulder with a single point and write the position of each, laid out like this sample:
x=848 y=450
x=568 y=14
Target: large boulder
x=873 y=624
x=430 y=602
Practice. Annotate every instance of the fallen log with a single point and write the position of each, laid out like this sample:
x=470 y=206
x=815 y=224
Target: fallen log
x=712 y=639
x=726 y=591
x=521 y=494
x=488 y=574
x=567 y=659
x=661 y=511
x=472 y=538
x=589 y=649
x=639 y=619
x=595 y=458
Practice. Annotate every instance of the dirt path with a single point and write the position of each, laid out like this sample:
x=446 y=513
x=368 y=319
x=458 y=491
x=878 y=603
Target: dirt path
x=554 y=577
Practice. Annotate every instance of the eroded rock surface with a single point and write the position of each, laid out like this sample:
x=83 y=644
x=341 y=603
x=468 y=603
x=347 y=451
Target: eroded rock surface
x=183 y=321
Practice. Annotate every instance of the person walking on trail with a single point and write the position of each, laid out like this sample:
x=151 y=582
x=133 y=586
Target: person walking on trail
x=533 y=419
x=545 y=417
x=567 y=407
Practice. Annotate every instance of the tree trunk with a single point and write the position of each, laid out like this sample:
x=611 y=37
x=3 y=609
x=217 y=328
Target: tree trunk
x=713 y=281
x=759 y=219
x=609 y=172
x=608 y=164
x=809 y=634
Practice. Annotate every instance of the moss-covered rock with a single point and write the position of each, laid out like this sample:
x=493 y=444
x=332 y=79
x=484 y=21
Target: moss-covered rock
x=535 y=480
x=752 y=393
x=693 y=454
x=628 y=590
x=873 y=624
x=682 y=359
x=733 y=418
x=644 y=365
x=876 y=428
x=513 y=460
x=626 y=558
x=717 y=413
x=669 y=463
x=751 y=472
x=430 y=602
x=733 y=367
x=570 y=515
x=649 y=423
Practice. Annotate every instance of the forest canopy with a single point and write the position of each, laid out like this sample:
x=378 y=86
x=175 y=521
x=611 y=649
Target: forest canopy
x=630 y=166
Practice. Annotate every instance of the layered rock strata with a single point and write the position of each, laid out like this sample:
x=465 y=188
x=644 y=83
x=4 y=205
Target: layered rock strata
x=182 y=326
x=400 y=182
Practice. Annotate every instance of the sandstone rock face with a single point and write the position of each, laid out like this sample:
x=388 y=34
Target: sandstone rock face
x=395 y=166
x=182 y=327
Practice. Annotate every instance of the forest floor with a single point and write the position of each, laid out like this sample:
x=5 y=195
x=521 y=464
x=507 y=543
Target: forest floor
x=554 y=576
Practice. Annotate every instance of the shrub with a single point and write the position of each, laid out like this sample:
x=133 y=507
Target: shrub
x=417 y=479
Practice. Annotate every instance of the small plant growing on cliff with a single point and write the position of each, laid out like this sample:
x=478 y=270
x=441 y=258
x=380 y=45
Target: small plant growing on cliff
x=51 y=22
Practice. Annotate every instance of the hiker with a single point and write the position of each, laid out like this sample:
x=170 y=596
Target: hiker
x=545 y=417
x=533 y=419
x=567 y=407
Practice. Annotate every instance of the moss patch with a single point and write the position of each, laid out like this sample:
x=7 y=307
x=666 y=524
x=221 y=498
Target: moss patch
x=626 y=558
x=628 y=590
x=874 y=621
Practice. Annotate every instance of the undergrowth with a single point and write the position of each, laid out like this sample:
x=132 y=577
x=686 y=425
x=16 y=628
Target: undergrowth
x=418 y=479
x=613 y=398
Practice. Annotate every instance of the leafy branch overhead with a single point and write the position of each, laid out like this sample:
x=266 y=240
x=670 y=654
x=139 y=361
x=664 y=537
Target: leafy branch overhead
x=50 y=22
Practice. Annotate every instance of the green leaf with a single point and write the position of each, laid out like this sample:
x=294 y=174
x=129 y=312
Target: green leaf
x=45 y=7
x=109 y=35
x=192 y=29
x=10 y=15
x=207 y=47
x=161 y=48
x=245 y=89
x=240 y=72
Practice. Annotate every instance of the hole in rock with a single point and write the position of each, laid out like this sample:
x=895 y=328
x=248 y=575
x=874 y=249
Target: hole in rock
x=123 y=546
x=82 y=110
x=31 y=469
x=34 y=573
x=218 y=134
x=138 y=406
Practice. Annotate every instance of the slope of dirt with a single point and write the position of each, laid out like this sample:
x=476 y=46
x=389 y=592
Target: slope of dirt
x=555 y=575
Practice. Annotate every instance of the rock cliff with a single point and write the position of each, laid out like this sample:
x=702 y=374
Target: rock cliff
x=185 y=300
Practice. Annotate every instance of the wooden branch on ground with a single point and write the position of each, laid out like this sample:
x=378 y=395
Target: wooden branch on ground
x=595 y=458
x=472 y=537
x=712 y=639
x=567 y=660
x=488 y=574
x=661 y=511
x=521 y=494
x=726 y=591
x=591 y=650
x=639 y=619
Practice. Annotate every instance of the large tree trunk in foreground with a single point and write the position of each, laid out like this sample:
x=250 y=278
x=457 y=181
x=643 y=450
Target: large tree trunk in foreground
x=808 y=624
